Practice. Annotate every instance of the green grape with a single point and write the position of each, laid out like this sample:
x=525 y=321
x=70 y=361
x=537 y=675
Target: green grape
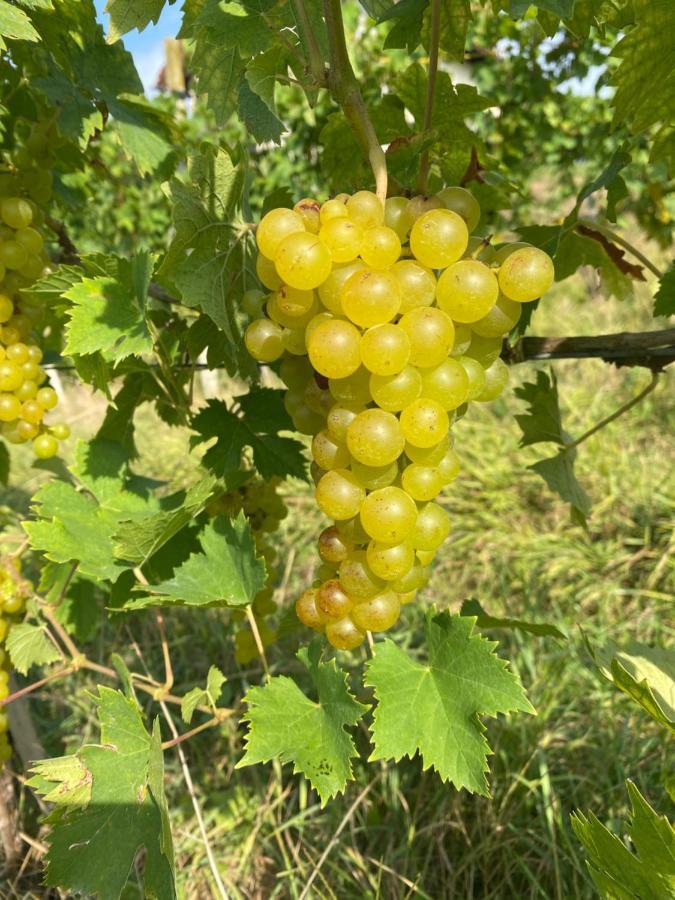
x=424 y=422
x=10 y=433
x=293 y=402
x=390 y=561
x=10 y=376
x=10 y=407
x=274 y=227
x=417 y=206
x=294 y=341
x=45 y=446
x=385 y=349
x=431 y=528
x=31 y=240
x=496 y=379
x=416 y=282
x=479 y=248
x=333 y=209
x=333 y=546
x=431 y=334
x=476 y=375
x=388 y=515
x=264 y=340
x=17 y=353
x=47 y=398
x=467 y=291
x=276 y=313
x=28 y=390
x=267 y=273
x=306 y=421
x=306 y=609
x=485 y=350
x=332 y=601
x=439 y=238
x=416 y=578
x=6 y=308
x=375 y=438
x=344 y=239
x=370 y=297
x=13 y=255
x=506 y=250
x=365 y=208
x=316 y=472
x=462 y=202
x=381 y=247
x=293 y=302
x=339 y=495
x=463 y=335
x=377 y=614
x=503 y=316
x=447 y=383
x=31 y=411
x=357 y=578
x=344 y=635
x=295 y=372
x=303 y=261
x=352 y=530
x=449 y=467
x=428 y=456
x=393 y=392
x=32 y=268
x=317 y=398
x=339 y=418
x=334 y=348
x=373 y=477
x=524 y=275
x=355 y=389
x=16 y=212
x=329 y=453
x=421 y=482
x=329 y=291
x=394 y=215
x=61 y=431
x=309 y=211
x=9 y=334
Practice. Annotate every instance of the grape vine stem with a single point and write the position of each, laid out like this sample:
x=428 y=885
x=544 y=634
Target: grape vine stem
x=434 y=43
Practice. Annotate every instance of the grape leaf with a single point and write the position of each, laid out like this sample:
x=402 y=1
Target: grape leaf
x=77 y=116
x=15 y=25
x=79 y=612
x=284 y=724
x=664 y=299
x=126 y=15
x=558 y=473
x=648 y=874
x=28 y=645
x=433 y=707
x=264 y=124
x=542 y=421
x=455 y=18
x=207 y=696
x=263 y=416
x=607 y=178
x=408 y=17
x=227 y=572
x=4 y=464
x=485 y=620
x=97 y=833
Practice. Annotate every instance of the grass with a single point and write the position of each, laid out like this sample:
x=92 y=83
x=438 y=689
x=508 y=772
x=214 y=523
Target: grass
x=398 y=832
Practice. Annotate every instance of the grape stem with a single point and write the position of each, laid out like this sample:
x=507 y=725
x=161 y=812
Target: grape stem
x=434 y=42
x=345 y=91
x=622 y=242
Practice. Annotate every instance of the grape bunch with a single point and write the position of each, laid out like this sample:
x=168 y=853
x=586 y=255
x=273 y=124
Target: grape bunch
x=25 y=399
x=13 y=592
x=387 y=321
x=265 y=509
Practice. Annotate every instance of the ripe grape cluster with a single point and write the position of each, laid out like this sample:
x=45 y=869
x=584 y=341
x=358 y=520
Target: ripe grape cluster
x=12 y=601
x=265 y=509
x=388 y=319
x=24 y=396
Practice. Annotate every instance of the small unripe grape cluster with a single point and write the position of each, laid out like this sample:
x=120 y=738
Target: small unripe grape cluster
x=25 y=398
x=13 y=592
x=265 y=509
x=388 y=319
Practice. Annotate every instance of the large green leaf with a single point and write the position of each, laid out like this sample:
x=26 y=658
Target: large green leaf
x=542 y=422
x=284 y=724
x=125 y=15
x=15 y=25
x=433 y=706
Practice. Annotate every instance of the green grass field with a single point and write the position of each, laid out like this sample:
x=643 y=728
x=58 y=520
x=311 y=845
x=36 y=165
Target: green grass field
x=399 y=832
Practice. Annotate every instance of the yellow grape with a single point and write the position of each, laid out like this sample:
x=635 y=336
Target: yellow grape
x=417 y=206
x=467 y=291
x=416 y=282
x=428 y=456
x=413 y=580
x=421 y=482
x=309 y=211
x=374 y=477
x=377 y=614
x=329 y=291
x=407 y=597
x=303 y=261
x=267 y=273
x=381 y=247
x=61 y=431
x=274 y=227
x=496 y=379
x=425 y=556
x=317 y=398
x=31 y=240
x=526 y=274
x=277 y=314
x=294 y=341
x=344 y=635
x=11 y=376
x=357 y=578
x=332 y=601
x=6 y=308
x=385 y=349
x=449 y=467
x=16 y=212
x=306 y=610
x=462 y=202
x=264 y=340
x=26 y=430
x=344 y=239
x=388 y=515
x=476 y=375
x=447 y=383
x=45 y=446
x=485 y=350
x=13 y=255
x=253 y=302
x=439 y=238
x=339 y=418
x=390 y=561
x=375 y=438
x=294 y=302
x=333 y=546
x=10 y=407
x=431 y=527
x=431 y=334
x=463 y=335
x=334 y=348
x=370 y=297
x=394 y=215
x=506 y=250
x=365 y=208
x=47 y=398
x=339 y=495
x=333 y=209
x=353 y=389
x=315 y=321
x=31 y=411
x=424 y=422
x=329 y=453
x=503 y=316
x=393 y=392
x=479 y=248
